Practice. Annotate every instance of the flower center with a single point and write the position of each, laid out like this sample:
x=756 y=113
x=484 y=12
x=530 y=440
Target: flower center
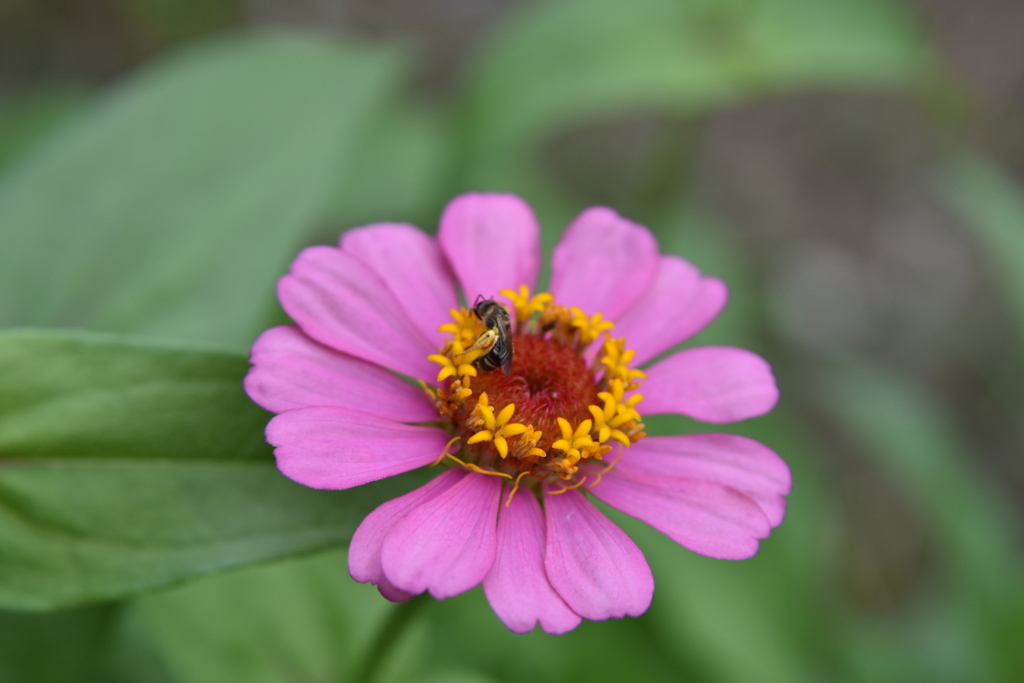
x=556 y=410
x=547 y=381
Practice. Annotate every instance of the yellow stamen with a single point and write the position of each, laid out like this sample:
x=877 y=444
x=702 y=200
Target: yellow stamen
x=483 y=414
x=525 y=305
x=605 y=471
x=499 y=429
x=515 y=487
x=527 y=445
x=616 y=359
x=444 y=452
x=590 y=328
x=477 y=468
x=480 y=436
x=431 y=392
x=449 y=369
x=567 y=488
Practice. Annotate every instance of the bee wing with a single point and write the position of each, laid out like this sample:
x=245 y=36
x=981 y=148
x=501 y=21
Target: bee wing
x=506 y=362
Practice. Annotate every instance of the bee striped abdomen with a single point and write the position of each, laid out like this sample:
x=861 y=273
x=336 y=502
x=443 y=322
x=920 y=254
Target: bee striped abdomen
x=499 y=326
x=500 y=356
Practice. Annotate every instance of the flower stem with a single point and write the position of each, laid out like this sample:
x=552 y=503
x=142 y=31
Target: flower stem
x=389 y=635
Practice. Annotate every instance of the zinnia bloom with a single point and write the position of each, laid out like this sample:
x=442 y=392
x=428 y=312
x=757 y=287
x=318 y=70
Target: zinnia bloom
x=518 y=456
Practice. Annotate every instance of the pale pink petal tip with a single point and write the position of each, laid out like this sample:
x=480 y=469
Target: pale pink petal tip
x=517 y=586
x=596 y=568
x=730 y=460
x=716 y=384
x=680 y=304
x=445 y=545
x=390 y=593
x=707 y=518
x=492 y=242
x=291 y=371
x=412 y=266
x=338 y=448
x=604 y=263
x=342 y=303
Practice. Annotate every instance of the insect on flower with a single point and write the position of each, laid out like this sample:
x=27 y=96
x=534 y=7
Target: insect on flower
x=519 y=453
x=496 y=340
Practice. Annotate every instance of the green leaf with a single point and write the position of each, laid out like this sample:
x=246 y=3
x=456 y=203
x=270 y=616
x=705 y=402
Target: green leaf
x=171 y=477
x=25 y=119
x=66 y=646
x=991 y=204
x=399 y=171
x=466 y=633
x=171 y=205
x=912 y=440
x=302 y=619
x=573 y=60
x=79 y=395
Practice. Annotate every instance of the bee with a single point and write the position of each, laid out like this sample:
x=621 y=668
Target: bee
x=496 y=340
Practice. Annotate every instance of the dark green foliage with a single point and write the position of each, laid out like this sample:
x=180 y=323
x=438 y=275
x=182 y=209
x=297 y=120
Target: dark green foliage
x=126 y=466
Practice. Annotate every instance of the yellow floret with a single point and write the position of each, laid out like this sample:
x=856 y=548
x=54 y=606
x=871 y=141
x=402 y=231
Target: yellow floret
x=525 y=305
x=498 y=429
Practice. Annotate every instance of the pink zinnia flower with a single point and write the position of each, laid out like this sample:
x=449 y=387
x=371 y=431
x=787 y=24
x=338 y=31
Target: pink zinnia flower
x=527 y=449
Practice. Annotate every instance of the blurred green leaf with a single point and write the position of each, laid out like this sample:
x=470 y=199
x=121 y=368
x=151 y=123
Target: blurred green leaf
x=718 y=609
x=93 y=396
x=572 y=60
x=466 y=633
x=172 y=478
x=460 y=676
x=302 y=619
x=398 y=172
x=66 y=646
x=172 y=205
x=23 y=120
x=912 y=440
x=991 y=204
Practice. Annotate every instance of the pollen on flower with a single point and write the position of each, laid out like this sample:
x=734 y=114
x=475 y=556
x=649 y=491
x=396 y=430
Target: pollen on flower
x=556 y=411
x=589 y=328
x=526 y=306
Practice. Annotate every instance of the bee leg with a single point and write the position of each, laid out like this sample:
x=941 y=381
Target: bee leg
x=485 y=342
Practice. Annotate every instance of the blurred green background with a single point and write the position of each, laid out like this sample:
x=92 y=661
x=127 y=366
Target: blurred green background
x=854 y=169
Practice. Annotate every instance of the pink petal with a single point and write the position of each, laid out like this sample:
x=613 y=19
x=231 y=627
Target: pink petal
x=338 y=448
x=411 y=265
x=339 y=301
x=517 y=586
x=710 y=383
x=593 y=564
x=364 y=550
x=445 y=545
x=492 y=242
x=390 y=593
x=603 y=263
x=709 y=519
x=727 y=459
x=679 y=305
x=290 y=371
